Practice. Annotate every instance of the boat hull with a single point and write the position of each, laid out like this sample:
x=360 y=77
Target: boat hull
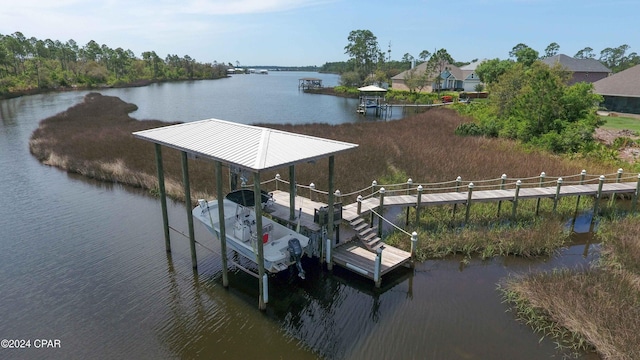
x=241 y=234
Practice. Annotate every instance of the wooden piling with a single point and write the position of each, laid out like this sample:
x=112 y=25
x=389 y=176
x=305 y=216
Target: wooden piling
x=414 y=247
x=515 y=200
x=187 y=198
x=466 y=216
x=409 y=184
x=542 y=176
x=223 y=230
x=583 y=173
x=613 y=196
x=419 y=200
x=163 y=197
x=380 y=211
x=377 y=268
x=455 y=206
x=292 y=193
x=598 y=197
x=262 y=279
x=503 y=179
x=557 y=197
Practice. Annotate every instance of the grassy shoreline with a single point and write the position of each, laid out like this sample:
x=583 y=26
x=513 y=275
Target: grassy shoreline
x=94 y=139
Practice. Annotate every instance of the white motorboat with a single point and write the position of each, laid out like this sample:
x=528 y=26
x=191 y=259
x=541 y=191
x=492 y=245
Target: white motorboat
x=282 y=247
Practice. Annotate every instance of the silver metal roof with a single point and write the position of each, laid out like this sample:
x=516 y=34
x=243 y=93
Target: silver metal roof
x=250 y=147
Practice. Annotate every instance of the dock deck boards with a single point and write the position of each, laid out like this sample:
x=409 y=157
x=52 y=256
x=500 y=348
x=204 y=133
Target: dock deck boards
x=358 y=259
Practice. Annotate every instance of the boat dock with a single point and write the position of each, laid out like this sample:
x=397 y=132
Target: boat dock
x=348 y=252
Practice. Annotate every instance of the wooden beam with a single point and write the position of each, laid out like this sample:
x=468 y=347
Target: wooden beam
x=163 y=198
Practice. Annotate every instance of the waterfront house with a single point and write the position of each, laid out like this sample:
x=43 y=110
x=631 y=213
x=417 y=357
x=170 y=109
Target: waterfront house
x=588 y=70
x=621 y=91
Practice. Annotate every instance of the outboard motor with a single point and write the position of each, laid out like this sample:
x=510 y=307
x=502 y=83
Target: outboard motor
x=295 y=254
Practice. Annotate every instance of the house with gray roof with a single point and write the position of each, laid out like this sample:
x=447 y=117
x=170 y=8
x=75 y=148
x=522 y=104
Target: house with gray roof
x=621 y=91
x=588 y=70
x=469 y=77
x=450 y=79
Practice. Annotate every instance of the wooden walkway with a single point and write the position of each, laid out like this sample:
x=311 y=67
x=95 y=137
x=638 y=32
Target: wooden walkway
x=350 y=212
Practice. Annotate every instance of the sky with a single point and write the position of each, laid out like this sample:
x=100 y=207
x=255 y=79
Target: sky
x=314 y=32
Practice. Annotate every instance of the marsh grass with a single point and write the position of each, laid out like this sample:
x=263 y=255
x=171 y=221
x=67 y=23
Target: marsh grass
x=594 y=308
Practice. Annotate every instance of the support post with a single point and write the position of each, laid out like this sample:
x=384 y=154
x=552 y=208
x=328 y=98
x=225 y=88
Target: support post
x=277 y=180
x=163 y=198
x=359 y=200
x=515 y=200
x=542 y=176
x=187 y=198
x=583 y=174
x=373 y=192
x=312 y=188
x=380 y=211
x=557 y=197
x=613 y=195
x=328 y=256
x=503 y=179
x=458 y=183
x=418 y=205
x=223 y=230
x=331 y=197
x=414 y=247
x=466 y=216
x=292 y=193
x=409 y=184
x=262 y=279
x=598 y=197
x=377 y=267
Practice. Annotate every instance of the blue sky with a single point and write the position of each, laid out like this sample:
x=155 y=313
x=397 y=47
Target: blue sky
x=312 y=32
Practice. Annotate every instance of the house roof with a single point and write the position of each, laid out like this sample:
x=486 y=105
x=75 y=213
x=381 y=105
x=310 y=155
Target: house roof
x=577 y=65
x=472 y=66
x=249 y=147
x=423 y=67
x=624 y=83
x=371 y=88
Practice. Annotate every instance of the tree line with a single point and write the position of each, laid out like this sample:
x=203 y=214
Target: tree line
x=28 y=64
x=368 y=64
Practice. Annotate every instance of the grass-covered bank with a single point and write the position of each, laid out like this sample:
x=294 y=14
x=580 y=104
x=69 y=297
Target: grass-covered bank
x=596 y=308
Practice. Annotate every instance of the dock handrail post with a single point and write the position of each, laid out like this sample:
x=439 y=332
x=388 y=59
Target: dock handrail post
x=418 y=204
x=359 y=200
x=373 y=191
x=466 y=216
x=414 y=247
x=613 y=195
x=380 y=211
x=312 y=187
x=163 y=198
x=583 y=174
x=409 y=184
x=376 y=270
x=635 y=196
x=557 y=197
x=458 y=183
x=277 y=180
x=515 y=199
x=293 y=189
x=503 y=179
x=542 y=176
x=187 y=198
x=598 y=196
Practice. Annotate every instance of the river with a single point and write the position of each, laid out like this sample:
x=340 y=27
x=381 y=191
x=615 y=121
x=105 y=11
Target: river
x=83 y=262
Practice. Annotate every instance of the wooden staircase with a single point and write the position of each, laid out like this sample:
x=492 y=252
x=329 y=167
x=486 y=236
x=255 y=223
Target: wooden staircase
x=366 y=234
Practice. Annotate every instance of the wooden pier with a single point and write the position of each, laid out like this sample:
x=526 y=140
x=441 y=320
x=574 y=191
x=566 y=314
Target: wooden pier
x=351 y=212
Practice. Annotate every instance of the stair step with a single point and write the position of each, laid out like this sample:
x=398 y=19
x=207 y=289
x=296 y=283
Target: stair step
x=373 y=241
x=360 y=227
x=356 y=222
x=375 y=247
x=368 y=237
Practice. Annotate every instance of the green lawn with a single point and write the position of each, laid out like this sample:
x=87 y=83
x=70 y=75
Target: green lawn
x=621 y=123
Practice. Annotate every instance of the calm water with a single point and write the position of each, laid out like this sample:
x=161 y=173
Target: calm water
x=84 y=262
